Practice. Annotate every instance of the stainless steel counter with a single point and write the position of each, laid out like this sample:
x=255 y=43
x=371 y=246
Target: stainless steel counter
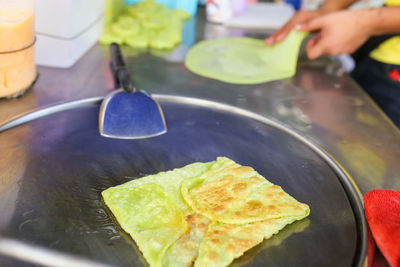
x=321 y=102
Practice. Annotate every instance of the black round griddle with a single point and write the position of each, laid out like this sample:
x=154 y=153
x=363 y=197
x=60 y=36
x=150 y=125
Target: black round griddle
x=66 y=164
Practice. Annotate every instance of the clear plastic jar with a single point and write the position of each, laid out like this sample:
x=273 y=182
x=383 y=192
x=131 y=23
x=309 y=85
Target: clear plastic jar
x=17 y=54
x=219 y=11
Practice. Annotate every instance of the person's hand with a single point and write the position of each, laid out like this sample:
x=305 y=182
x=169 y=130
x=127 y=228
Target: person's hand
x=300 y=17
x=337 y=33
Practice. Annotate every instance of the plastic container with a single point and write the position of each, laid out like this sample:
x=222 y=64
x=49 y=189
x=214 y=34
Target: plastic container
x=219 y=11
x=17 y=64
x=263 y=16
x=66 y=29
x=239 y=6
x=190 y=6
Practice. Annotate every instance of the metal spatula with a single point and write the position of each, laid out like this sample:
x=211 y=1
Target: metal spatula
x=128 y=113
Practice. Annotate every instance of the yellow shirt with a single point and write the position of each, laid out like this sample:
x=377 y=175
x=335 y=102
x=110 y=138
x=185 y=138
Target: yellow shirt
x=388 y=51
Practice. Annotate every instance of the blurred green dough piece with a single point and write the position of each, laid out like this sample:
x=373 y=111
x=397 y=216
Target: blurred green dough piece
x=138 y=14
x=174 y=23
x=174 y=35
x=245 y=60
x=182 y=14
x=163 y=40
x=147 y=24
x=137 y=41
x=154 y=23
x=141 y=39
x=126 y=26
x=108 y=37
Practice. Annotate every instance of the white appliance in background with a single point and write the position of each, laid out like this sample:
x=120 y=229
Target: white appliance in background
x=262 y=16
x=66 y=29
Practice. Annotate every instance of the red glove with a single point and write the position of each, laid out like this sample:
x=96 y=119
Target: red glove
x=382 y=209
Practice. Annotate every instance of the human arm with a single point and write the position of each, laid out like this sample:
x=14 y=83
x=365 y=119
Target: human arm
x=344 y=31
x=304 y=16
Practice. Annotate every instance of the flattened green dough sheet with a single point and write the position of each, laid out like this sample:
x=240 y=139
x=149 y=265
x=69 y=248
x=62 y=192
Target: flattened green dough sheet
x=245 y=60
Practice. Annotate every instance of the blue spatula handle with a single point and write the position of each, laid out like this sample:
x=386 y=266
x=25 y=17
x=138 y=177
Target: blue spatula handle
x=120 y=73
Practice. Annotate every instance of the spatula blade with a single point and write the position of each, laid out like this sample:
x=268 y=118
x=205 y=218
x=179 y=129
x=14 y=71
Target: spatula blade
x=131 y=116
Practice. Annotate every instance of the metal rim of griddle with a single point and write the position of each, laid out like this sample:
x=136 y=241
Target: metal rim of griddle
x=353 y=193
